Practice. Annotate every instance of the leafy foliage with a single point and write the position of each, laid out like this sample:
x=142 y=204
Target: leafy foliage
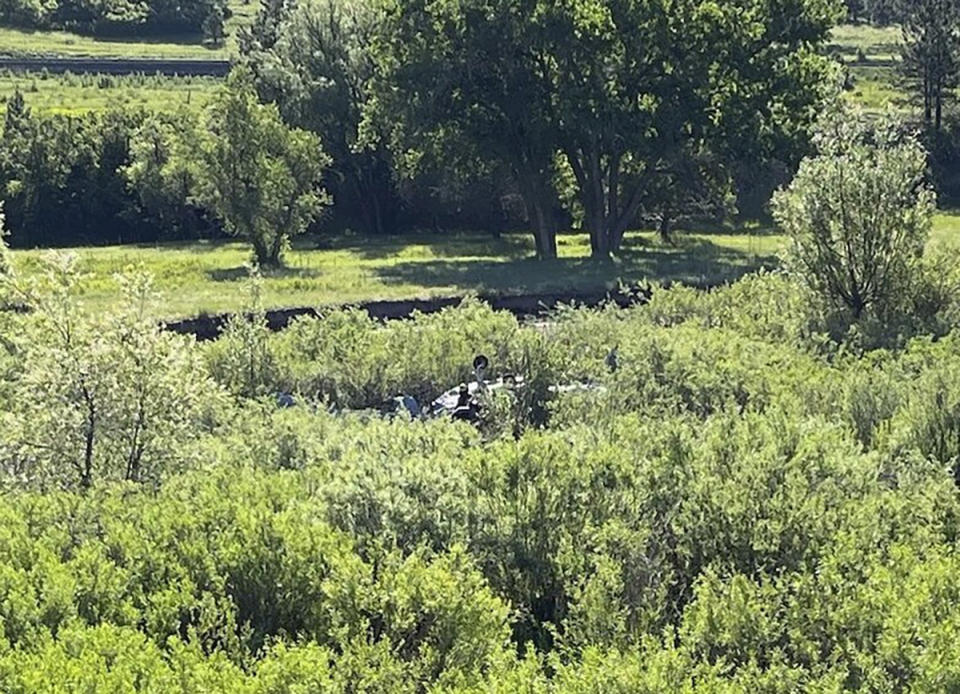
x=858 y=214
x=734 y=503
x=316 y=62
x=259 y=177
x=633 y=95
x=112 y=17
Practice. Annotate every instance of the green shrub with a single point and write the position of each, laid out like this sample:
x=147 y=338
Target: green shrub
x=714 y=502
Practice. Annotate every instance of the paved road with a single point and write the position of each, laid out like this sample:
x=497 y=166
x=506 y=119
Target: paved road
x=117 y=66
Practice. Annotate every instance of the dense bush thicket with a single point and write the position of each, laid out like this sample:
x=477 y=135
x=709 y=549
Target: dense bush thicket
x=742 y=505
x=65 y=181
x=113 y=17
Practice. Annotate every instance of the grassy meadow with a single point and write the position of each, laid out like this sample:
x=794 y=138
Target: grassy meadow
x=204 y=276
x=15 y=41
x=78 y=94
x=64 y=43
x=871 y=55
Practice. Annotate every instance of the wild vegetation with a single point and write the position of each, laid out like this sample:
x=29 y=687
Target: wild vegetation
x=684 y=143
x=118 y=18
x=198 y=277
x=747 y=489
x=757 y=492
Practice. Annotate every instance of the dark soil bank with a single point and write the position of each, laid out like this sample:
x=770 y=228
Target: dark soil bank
x=527 y=305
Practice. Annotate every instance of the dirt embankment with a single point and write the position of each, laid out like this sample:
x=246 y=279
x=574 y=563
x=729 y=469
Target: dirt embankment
x=527 y=305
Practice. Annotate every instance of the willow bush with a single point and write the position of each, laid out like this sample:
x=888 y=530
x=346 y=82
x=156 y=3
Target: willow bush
x=741 y=504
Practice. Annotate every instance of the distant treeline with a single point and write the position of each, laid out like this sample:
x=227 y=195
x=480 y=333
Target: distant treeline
x=115 y=17
x=475 y=115
x=879 y=12
x=107 y=177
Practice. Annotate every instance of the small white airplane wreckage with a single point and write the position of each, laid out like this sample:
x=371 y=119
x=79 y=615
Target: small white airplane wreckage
x=466 y=401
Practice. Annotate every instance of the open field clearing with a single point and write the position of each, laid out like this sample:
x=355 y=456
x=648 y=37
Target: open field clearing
x=853 y=43
x=871 y=54
x=25 y=42
x=64 y=43
x=77 y=94
x=203 y=276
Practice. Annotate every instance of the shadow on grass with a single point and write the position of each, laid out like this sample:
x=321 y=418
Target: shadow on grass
x=237 y=274
x=695 y=261
x=441 y=245
x=177 y=39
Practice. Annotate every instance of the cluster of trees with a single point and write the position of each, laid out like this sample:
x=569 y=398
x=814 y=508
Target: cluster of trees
x=131 y=175
x=752 y=500
x=119 y=17
x=931 y=55
x=600 y=114
x=405 y=115
x=607 y=110
x=62 y=178
x=929 y=51
x=878 y=12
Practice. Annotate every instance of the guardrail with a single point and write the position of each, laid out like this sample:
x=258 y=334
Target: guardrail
x=117 y=66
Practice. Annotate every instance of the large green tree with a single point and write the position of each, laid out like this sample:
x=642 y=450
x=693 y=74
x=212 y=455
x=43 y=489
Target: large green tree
x=931 y=53
x=646 y=93
x=314 y=59
x=472 y=78
x=261 y=178
x=629 y=92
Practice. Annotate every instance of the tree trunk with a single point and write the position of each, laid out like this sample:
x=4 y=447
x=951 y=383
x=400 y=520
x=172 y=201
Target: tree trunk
x=368 y=198
x=939 y=108
x=540 y=213
x=273 y=256
x=608 y=213
x=260 y=251
x=664 y=228
x=86 y=472
x=599 y=241
x=377 y=213
x=545 y=232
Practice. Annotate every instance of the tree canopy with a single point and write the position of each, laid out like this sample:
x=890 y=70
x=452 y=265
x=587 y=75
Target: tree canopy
x=623 y=92
x=314 y=60
x=260 y=177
